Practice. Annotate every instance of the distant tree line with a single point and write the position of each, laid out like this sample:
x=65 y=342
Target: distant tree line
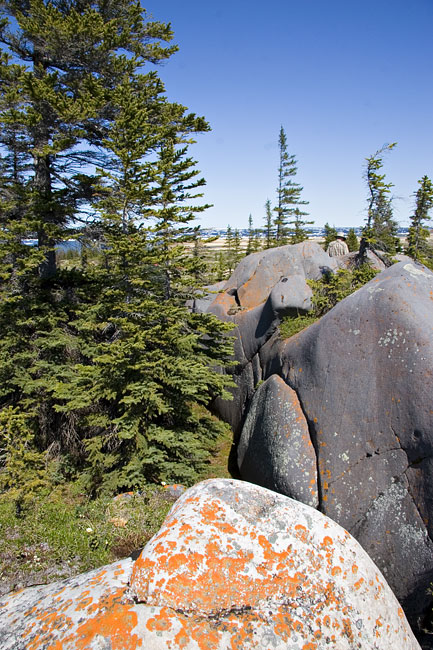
x=286 y=223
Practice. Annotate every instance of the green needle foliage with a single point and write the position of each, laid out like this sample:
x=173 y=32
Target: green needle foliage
x=380 y=230
x=327 y=292
x=352 y=241
x=289 y=199
x=418 y=245
x=330 y=235
x=104 y=371
x=268 y=230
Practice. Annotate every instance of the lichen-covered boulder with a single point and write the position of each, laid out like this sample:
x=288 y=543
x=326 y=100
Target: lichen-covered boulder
x=275 y=449
x=256 y=275
x=263 y=289
x=363 y=376
x=234 y=566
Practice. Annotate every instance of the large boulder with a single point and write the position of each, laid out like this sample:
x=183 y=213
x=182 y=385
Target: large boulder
x=255 y=276
x=363 y=376
x=234 y=566
x=264 y=288
x=275 y=449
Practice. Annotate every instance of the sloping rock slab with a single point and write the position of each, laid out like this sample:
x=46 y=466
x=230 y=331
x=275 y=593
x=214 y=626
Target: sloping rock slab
x=234 y=566
x=275 y=448
x=364 y=378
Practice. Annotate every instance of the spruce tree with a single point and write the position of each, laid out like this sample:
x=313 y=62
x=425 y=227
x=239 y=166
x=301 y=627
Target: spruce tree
x=60 y=64
x=288 y=198
x=269 y=234
x=229 y=250
x=299 y=233
x=150 y=360
x=352 y=240
x=418 y=246
x=105 y=364
x=380 y=230
x=251 y=236
x=330 y=235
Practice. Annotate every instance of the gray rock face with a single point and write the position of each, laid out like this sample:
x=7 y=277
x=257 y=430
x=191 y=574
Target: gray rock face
x=264 y=287
x=363 y=375
x=275 y=448
x=257 y=274
x=233 y=566
x=201 y=304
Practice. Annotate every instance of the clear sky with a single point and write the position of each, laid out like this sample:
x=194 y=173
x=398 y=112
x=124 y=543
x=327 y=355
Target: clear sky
x=342 y=77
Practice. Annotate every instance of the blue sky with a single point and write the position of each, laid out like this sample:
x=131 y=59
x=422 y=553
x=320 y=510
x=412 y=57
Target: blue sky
x=341 y=77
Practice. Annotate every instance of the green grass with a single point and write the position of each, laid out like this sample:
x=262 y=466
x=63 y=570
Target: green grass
x=290 y=325
x=63 y=533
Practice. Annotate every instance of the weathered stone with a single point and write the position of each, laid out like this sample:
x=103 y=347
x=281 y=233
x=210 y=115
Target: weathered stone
x=363 y=375
x=275 y=449
x=264 y=287
x=234 y=566
x=250 y=568
x=255 y=276
x=201 y=304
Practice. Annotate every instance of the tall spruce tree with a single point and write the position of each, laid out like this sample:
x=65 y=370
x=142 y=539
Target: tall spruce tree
x=380 y=230
x=268 y=230
x=288 y=198
x=61 y=62
x=418 y=245
x=106 y=364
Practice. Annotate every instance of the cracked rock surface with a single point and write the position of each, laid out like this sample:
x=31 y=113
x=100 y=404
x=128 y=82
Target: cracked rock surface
x=233 y=566
x=363 y=376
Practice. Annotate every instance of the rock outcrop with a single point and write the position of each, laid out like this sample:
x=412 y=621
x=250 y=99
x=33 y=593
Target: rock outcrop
x=264 y=288
x=234 y=566
x=356 y=405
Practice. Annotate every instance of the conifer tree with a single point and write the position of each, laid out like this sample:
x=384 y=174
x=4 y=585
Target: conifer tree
x=380 y=230
x=330 y=235
x=269 y=235
x=299 y=233
x=60 y=63
x=251 y=236
x=105 y=364
x=352 y=240
x=229 y=249
x=254 y=238
x=417 y=240
x=155 y=360
x=288 y=197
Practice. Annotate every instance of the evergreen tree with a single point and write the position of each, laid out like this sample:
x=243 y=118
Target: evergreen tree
x=229 y=246
x=60 y=63
x=380 y=230
x=352 y=240
x=257 y=243
x=103 y=364
x=237 y=248
x=330 y=235
x=269 y=235
x=299 y=233
x=156 y=361
x=418 y=246
x=251 y=236
x=289 y=197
